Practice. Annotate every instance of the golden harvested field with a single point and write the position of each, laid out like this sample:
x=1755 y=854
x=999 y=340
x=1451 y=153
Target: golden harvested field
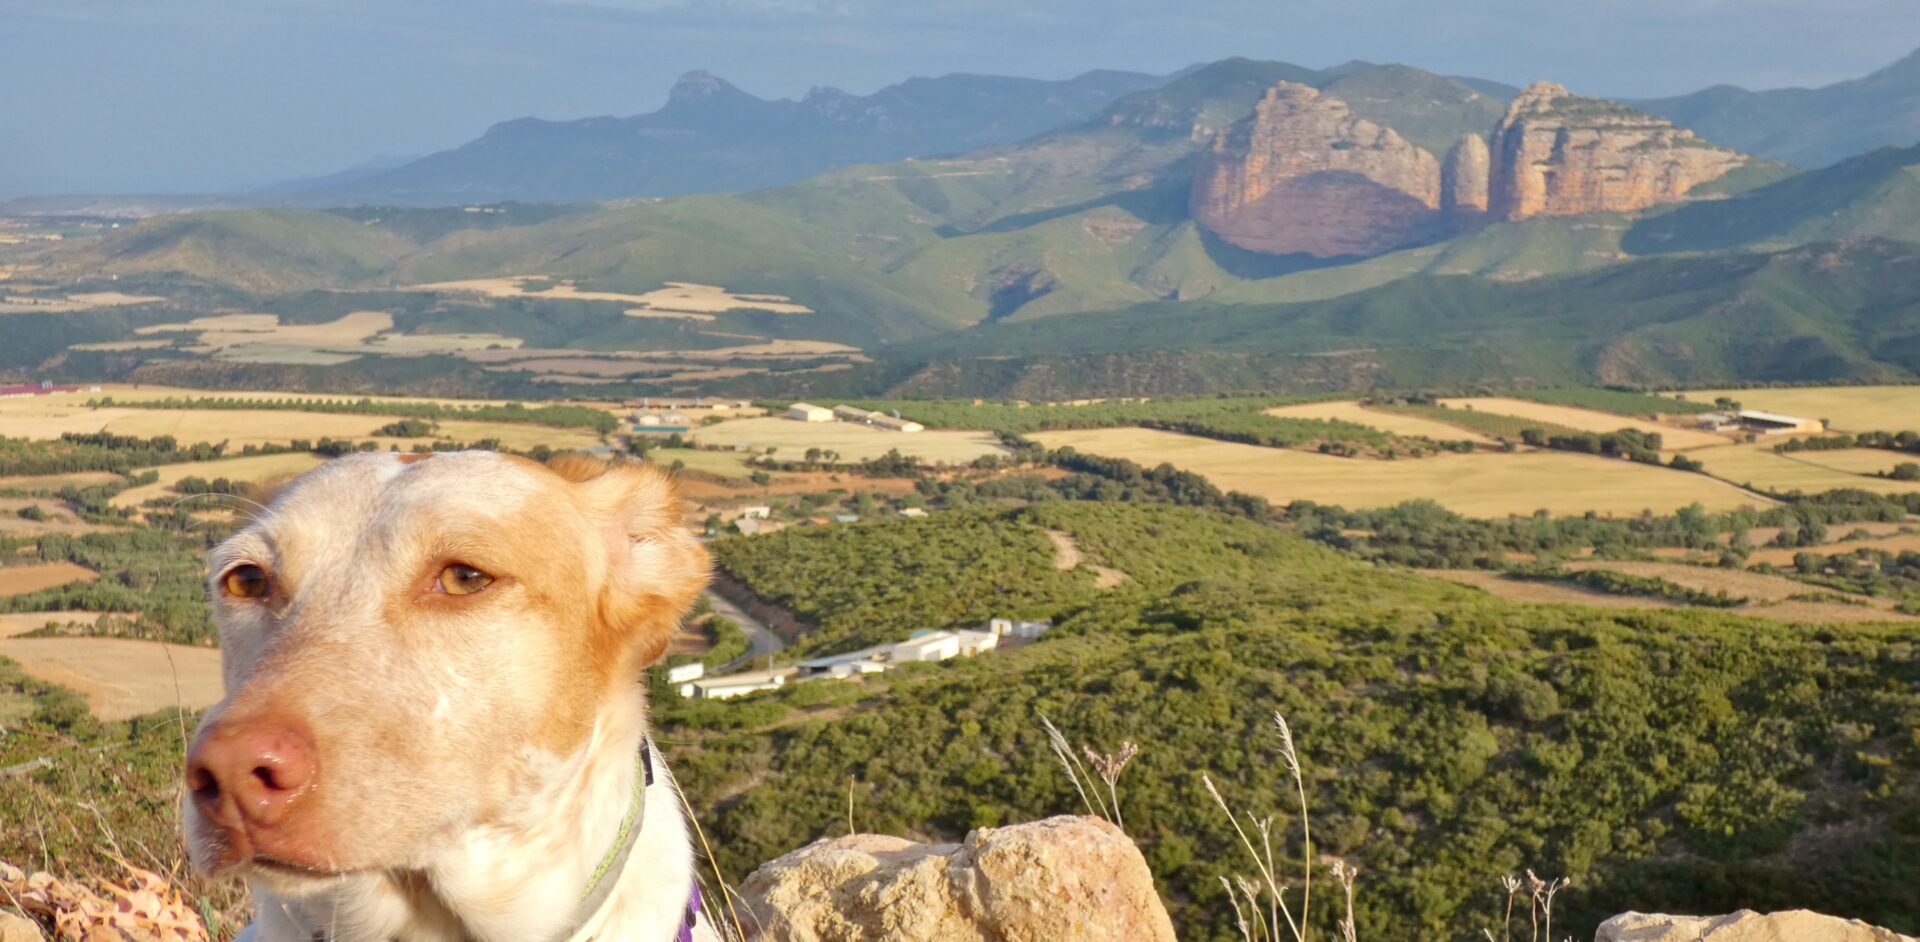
x=58 y=518
x=1479 y=485
x=1776 y=609
x=54 y=482
x=1757 y=586
x=261 y=338
x=1846 y=408
x=16 y=304
x=120 y=677
x=678 y=299
x=511 y=434
x=249 y=469
x=1758 y=465
x=1867 y=461
x=1783 y=556
x=19 y=623
x=1529 y=590
x=135 y=392
x=20 y=580
x=1587 y=420
x=1393 y=422
x=853 y=442
x=729 y=464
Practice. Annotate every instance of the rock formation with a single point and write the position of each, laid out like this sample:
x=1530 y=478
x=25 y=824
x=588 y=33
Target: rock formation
x=1302 y=174
x=1797 y=925
x=1555 y=154
x=1464 y=179
x=1062 y=878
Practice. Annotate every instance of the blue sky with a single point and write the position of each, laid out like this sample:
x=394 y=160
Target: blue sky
x=209 y=95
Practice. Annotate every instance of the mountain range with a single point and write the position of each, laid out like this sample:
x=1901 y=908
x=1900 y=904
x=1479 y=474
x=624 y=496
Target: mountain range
x=1239 y=225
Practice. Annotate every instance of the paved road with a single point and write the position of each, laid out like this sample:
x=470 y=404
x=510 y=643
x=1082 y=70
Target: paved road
x=761 y=641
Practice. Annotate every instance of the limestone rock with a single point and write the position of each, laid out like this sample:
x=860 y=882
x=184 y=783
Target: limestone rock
x=1555 y=154
x=17 y=928
x=1302 y=174
x=1465 y=177
x=1058 y=879
x=1796 y=925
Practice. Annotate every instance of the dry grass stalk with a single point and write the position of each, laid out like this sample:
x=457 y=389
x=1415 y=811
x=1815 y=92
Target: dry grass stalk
x=1064 y=752
x=1278 y=912
x=1110 y=768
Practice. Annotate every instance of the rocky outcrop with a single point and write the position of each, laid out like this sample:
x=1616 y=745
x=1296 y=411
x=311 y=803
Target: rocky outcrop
x=19 y=928
x=1796 y=925
x=1303 y=175
x=1465 y=177
x=1556 y=154
x=1062 y=878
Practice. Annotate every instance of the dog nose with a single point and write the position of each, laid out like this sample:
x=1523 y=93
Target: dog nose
x=250 y=773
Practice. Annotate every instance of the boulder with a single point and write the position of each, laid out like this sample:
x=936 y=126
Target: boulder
x=1794 y=925
x=17 y=928
x=1062 y=878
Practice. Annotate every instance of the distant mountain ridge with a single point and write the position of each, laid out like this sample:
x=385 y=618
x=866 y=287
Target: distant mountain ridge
x=1808 y=127
x=712 y=137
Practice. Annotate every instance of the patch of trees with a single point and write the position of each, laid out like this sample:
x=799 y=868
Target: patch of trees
x=1631 y=444
x=1886 y=441
x=150 y=572
x=98 y=451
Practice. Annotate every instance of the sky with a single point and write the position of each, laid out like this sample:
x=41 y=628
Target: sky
x=130 y=96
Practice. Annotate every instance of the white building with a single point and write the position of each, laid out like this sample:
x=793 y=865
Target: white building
x=734 y=685
x=852 y=413
x=756 y=512
x=893 y=424
x=686 y=672
x=1025 y=630
x=808 y=412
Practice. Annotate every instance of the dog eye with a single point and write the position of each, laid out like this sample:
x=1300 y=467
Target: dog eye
x=246 y=581
x=462 y=579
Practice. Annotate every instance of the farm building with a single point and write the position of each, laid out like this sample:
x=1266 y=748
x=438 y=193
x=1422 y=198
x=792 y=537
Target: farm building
x=1716 y=421
x=895 y=424
x=808 y=412
x=1773 y=423
x=1026 y=630
x=686 y=672
x=852 y=413
x=734 y=685
x=38 y=389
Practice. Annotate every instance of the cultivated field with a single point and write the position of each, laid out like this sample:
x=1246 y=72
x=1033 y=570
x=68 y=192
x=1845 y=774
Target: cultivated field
x=250 y=469
x=1768 y=596
x=1758 y=465
x=20 y=580
x=120 y=677
x=1846 y=408
x=56 y=518
x=1587 y=420
x=678 y=299
x=853 y=442
x=1783 y=556
x=261 y=338
x=20 y=623
x=53 y=482
x=1350 y=411
x=1481 y=485
x=34 y=304
x=1533 y=590
x=1867 y=461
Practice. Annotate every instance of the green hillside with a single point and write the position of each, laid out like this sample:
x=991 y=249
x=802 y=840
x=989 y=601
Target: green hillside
x=1875 y=194
x=259 y=250
x=1841 y=312
x=1665 y=761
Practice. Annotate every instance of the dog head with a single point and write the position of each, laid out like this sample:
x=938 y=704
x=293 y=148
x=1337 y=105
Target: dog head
x=408 y=640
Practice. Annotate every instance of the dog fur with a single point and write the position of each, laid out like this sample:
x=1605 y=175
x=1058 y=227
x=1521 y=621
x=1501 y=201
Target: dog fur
x=473 y=754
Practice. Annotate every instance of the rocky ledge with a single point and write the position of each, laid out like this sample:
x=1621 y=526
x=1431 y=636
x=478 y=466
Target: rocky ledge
x=1061 y=878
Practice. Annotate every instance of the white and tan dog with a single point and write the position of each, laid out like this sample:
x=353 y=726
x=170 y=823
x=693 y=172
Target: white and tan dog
x=434 y=727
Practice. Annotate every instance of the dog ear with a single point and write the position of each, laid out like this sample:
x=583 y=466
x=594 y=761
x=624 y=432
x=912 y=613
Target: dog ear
x=656 y=565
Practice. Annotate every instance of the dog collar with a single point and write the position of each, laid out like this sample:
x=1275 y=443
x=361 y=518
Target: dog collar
x=606 y=876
